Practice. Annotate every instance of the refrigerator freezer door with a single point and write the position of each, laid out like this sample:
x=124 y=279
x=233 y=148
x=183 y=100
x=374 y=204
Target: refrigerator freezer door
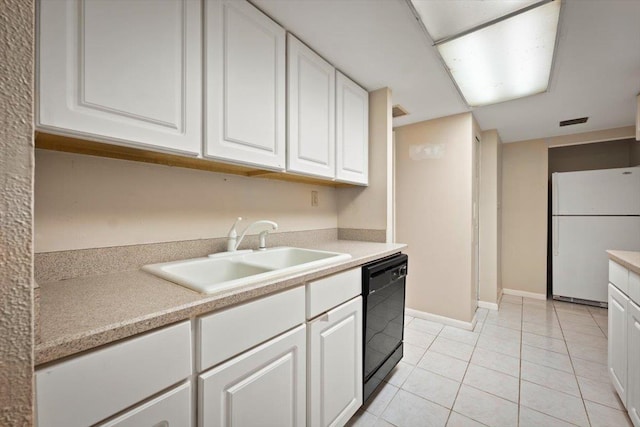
x=597 y=192
x=580 y=261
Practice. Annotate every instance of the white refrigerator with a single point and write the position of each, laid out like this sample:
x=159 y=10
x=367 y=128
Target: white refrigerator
x=592 y=211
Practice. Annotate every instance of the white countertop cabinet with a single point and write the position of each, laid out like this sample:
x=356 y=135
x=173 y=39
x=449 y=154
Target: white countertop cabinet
x=335 y=365
x=617 y=337
x=127 y=73
x=92 y=387
x=172 y=408
x=624 y=337
x=633 y=373
x=289 y=358
x=261 y=387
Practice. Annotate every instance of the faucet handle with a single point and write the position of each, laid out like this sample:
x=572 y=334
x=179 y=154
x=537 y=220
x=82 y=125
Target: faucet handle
x=232 y=237
x=232 y=231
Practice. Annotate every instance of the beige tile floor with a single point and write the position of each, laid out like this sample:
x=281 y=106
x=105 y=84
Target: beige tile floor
x=532 y=363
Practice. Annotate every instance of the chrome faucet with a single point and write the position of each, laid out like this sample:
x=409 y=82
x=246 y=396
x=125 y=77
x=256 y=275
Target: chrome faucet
x=232 y=239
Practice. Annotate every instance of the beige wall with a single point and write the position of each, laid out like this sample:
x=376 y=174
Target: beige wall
x=369 y=207
x=524 y=216
x=600 y=155
x=490 y=191
x=433 y=214
x=90 y=202
x=16 y=179
x=476 y=141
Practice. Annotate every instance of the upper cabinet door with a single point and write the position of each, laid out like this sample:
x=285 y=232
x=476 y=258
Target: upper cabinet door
x=128 y=73
x=311 y=108
x=245 y=85
x=352 y=131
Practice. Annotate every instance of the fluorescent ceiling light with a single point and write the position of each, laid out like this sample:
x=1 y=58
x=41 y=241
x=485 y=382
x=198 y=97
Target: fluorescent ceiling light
x=446 y=18
x=506 y=60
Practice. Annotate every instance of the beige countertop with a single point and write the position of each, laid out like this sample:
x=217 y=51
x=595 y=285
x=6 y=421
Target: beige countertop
x=84 y=313
x=629 y=259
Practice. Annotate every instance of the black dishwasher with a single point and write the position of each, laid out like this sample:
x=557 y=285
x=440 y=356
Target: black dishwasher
x=383 y=293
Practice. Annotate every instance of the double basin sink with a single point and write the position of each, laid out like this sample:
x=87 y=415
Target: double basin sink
x=228 y=270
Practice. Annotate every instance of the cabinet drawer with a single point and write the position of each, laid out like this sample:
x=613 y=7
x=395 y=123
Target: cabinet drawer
x=225 y=333
x=634 y=287
x=86 y=389
x=172 y=408
x=324 y=294
x=619 y=276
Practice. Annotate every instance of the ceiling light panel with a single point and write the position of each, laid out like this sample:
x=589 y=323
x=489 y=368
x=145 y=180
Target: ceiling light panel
x=507 y=60
x=445 y=18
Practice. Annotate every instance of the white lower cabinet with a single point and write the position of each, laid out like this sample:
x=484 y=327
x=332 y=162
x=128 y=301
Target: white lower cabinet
x=263 y=387
x=633 y=354
x=257 y=364
x=90 y=388
x=171 y=409
x=624 y=337
x=617 y=335
x=335 y=365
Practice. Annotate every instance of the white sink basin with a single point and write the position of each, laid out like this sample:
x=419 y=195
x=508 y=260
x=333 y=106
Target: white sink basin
x=230 y=269
x=280 y=258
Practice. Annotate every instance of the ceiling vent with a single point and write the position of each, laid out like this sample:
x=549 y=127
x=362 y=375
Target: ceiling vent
x=398 y=111
x=574 y=121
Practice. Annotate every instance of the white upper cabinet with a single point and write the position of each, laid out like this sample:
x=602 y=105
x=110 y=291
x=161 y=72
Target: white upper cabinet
x=128 y=73
x=311 y=108
x=245 y=79
x=352 y=131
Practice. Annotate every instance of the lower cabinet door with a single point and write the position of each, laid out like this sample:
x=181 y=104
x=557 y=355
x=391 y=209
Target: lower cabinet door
x=335 y=365
x=618 y=303
x=262 y=387
x=171 y=409
x=633 y=377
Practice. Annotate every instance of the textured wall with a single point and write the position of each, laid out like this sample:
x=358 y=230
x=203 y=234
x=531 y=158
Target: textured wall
x=16 y=178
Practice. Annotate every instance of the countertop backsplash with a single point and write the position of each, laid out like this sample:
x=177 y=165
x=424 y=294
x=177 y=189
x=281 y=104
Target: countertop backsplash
x=55 y=266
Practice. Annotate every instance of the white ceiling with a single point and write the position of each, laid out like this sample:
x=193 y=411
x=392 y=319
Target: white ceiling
x=380 y=43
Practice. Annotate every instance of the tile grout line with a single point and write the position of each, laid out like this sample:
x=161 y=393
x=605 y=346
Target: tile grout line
x=462 y=380
x=520 y=360
x=571 y=362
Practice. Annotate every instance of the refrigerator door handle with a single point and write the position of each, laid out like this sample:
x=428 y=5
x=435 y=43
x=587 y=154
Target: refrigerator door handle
x=556 y=236
x=556 y=197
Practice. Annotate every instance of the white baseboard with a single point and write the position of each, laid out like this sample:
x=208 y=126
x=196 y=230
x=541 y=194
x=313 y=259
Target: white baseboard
x=442 y=319
x=525 y=294
x=489 y=305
